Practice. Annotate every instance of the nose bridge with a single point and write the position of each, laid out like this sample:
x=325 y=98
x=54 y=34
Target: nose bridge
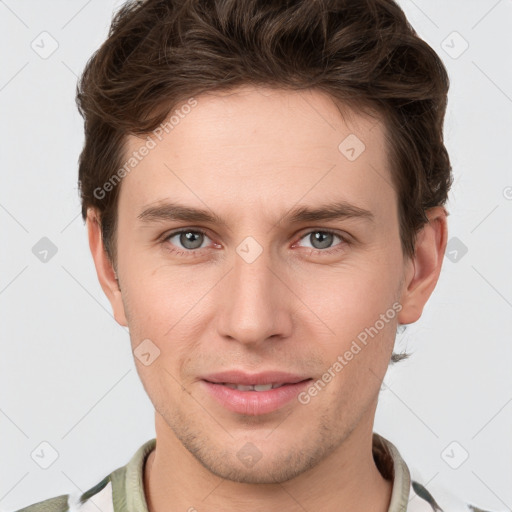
x=253 y=308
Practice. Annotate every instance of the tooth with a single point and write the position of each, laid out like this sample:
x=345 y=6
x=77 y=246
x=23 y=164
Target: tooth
x=245 y=388
x=263 y=387
x=257 y=387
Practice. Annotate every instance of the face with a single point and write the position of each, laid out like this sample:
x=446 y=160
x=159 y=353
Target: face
x=262 y=286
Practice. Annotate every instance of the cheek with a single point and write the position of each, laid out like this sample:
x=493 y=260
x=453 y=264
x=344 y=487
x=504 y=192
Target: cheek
x=167 y=305
x=160 y=312
x=348 y=300
x=359 y=305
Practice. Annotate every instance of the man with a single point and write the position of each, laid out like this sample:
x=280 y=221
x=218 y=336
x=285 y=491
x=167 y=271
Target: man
x=264 y=187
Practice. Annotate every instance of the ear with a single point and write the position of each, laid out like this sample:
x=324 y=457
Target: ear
x=424 y=268
x=104 y=268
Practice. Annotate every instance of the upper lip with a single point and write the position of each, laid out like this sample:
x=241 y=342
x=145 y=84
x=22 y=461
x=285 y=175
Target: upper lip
x=247 y=379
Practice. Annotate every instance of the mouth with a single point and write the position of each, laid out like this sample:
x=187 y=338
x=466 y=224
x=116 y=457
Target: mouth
x=256 y=387
x=255 y=399
x=237 y=377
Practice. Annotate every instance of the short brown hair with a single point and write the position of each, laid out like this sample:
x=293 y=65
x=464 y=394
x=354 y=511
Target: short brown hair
x=362 y=53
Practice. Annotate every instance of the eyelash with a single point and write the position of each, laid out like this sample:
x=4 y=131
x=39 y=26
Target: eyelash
x=195 y=252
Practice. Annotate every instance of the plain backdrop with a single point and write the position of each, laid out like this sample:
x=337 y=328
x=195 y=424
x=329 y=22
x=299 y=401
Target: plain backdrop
x=67 y=373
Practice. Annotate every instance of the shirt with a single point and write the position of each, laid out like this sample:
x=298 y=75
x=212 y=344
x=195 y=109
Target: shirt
x=123 y=489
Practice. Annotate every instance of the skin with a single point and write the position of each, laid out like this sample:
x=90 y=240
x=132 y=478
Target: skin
x=250 y=156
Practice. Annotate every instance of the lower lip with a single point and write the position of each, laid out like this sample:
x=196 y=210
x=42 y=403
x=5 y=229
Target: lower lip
x=254 y=402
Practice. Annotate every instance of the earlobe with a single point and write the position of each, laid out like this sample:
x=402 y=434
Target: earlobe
x=425 y=267
x=104 y=269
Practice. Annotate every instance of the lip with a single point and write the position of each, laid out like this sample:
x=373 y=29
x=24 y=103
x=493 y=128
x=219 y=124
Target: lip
x=247 y=379
x=254 y=403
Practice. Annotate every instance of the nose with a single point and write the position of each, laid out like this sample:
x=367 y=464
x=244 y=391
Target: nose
x=254 y=302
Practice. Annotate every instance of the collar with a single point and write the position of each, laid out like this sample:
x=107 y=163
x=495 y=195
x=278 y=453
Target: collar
x=392 y=467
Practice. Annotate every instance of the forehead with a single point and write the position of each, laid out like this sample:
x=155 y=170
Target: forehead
x=262 y=148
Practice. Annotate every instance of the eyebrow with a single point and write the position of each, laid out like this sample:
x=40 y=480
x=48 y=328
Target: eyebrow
x=332 y=211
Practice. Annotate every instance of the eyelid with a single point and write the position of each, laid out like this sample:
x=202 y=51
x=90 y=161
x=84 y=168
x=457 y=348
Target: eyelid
x=344 y=237
x=332 y=231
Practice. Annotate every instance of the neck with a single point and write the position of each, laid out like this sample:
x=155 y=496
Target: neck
x=348 y=477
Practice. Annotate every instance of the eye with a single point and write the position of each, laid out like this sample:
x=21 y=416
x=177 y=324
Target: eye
x=321 y=240
x=187 y=239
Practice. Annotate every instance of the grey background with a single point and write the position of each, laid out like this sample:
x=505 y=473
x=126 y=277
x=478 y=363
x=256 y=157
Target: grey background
x=67 y=374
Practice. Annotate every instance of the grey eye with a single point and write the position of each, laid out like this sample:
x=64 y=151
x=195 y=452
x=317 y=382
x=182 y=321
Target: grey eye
x=321 y=239
x=188 y=239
